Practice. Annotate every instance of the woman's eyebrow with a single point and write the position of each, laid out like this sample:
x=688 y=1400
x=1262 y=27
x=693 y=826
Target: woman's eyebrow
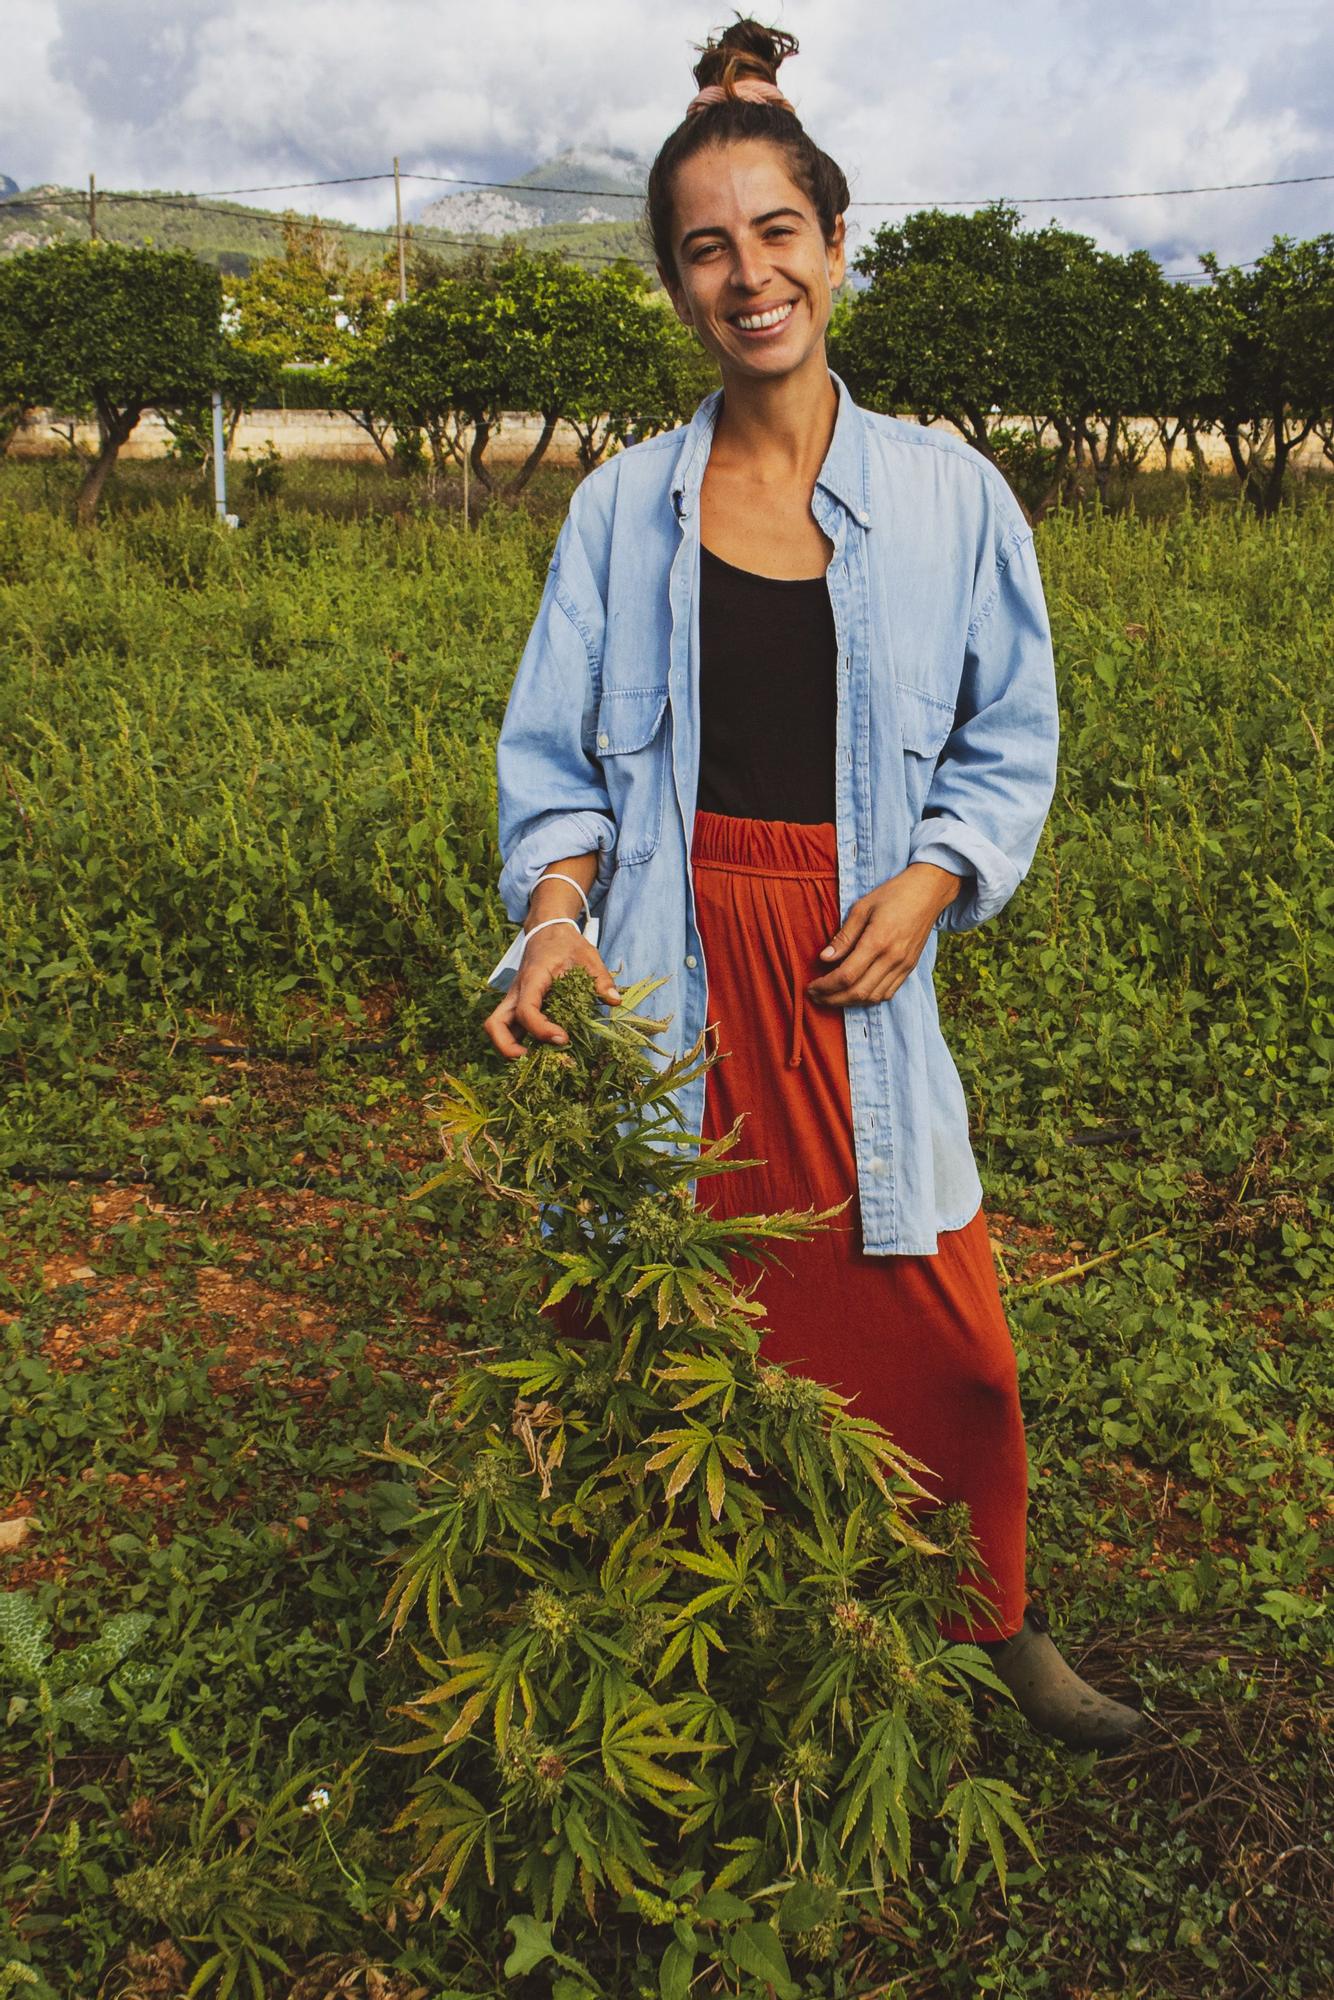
x=756 y=222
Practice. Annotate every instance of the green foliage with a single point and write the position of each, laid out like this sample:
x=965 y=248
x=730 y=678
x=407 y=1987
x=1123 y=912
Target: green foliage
x=197 y=1373
x=528 y=332
x=124 y=330
x=60 y=1690
x=223 y=784
x=615 y=1533
x=1277 y=381
x=972 y=319
x=313 y=304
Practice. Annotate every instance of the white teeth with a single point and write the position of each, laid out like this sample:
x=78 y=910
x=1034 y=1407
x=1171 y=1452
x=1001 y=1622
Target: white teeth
x=753 y=322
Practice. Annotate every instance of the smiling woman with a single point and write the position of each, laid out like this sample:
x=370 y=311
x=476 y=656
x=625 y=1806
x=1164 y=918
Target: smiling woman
x=788 y=710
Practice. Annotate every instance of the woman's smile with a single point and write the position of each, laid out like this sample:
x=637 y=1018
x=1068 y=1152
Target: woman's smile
x=762 y=325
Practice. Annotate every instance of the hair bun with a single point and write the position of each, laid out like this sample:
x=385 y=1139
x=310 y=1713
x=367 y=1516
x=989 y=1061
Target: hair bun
x=747 y=48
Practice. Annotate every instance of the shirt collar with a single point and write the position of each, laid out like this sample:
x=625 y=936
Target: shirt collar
x=844 y=473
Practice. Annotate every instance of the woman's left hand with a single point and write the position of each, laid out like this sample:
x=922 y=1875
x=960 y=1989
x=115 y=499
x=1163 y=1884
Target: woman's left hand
x=883 y=936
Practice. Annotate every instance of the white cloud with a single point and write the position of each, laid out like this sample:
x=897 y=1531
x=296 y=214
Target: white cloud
x=916 y=101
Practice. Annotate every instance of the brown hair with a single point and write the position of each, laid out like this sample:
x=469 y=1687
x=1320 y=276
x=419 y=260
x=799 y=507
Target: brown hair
x=744 y=49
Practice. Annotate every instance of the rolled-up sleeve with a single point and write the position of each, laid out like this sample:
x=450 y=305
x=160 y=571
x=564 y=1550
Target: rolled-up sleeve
x=551 y=800
x=995 y=778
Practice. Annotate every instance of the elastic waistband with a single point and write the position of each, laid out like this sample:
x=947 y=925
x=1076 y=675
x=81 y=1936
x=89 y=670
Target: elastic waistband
x=765 y=846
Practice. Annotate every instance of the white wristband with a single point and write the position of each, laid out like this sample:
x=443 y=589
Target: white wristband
x=551 y=920
x=554 y=875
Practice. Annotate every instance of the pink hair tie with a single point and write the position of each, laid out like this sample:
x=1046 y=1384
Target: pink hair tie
x=756 y=88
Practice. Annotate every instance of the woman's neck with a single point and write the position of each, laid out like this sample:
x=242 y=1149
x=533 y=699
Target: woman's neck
x=780 y=430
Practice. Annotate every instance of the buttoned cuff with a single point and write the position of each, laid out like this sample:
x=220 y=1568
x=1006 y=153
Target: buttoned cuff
x=990 y=877
x=557 y=836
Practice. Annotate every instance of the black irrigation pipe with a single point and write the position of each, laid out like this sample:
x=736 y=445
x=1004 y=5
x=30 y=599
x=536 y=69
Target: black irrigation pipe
x=1084 y=1135
x=295 y=1057
x=26 y=1176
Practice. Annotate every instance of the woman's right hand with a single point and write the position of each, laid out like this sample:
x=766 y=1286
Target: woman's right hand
x=547 y=953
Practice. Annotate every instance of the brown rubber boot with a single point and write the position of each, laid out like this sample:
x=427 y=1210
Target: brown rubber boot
x=1053 y=1698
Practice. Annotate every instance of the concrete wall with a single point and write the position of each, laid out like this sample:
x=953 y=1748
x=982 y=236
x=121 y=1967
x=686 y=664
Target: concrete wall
x=294 y=433
x=329 y=434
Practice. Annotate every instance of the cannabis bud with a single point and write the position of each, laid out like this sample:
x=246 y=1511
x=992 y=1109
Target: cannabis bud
x=572 y=998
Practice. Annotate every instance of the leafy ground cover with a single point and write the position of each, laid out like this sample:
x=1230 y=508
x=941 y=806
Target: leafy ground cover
x=246 y=869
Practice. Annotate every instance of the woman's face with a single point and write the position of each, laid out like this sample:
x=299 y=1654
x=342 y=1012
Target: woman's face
x=755 y=275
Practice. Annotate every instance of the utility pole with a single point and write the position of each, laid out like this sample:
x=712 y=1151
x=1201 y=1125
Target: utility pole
x=398 y=228
x=219 y=460
x=220 y=466
x=92 y=208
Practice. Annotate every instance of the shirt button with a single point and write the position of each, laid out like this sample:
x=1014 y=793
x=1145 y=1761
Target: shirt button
x=603 y=740
x=876 y=1164
x=691 y=960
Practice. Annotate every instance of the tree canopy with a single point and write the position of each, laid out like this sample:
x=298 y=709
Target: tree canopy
x=123 y=330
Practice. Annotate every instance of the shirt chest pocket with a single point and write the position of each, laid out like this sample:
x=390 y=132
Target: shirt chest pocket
x=631 y=745
x=926 y=724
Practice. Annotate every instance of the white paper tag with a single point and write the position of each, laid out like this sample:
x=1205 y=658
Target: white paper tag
x=504 y=973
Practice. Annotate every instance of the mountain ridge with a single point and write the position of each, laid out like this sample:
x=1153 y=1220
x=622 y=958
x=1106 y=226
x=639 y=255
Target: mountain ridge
x=233 y=236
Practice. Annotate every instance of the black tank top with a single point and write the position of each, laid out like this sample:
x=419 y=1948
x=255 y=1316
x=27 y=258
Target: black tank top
x=768 y=694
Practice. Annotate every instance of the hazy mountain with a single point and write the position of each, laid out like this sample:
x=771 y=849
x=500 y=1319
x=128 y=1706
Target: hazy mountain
x=583 y=223
x=586 y=174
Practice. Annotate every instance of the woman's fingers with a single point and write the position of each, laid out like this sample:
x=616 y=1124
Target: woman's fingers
x=522 y=1008
x=497 y=1026
x=873 y=963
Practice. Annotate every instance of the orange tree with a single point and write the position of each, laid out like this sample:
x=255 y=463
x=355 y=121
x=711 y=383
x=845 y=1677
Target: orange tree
x=530 y=332
x=121 y=329
x=1277 y=387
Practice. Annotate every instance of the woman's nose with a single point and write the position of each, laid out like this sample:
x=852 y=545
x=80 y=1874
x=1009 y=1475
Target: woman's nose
x=749 y=270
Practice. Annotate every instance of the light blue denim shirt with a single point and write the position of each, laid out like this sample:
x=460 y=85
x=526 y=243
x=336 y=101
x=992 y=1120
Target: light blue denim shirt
x=946 y=750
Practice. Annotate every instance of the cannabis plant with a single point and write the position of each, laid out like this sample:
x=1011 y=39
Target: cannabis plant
x=675 y=1607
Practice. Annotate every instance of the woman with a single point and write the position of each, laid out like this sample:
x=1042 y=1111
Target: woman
x=787 y=711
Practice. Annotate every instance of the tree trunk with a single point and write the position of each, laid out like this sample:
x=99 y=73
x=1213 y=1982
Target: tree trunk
x=1059 y=473
x=592 y=449
x=973 y=423
x=1168 y=433
x=1102 y=471
x=481 y=437
x=113 y=427
x=550 y=419
x=435 y=438
x=1237 y=453
x=1284 y=445
x=365 y=420
x=1268 y=495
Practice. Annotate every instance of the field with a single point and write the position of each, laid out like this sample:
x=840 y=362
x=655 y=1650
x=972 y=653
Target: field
x=246 y=906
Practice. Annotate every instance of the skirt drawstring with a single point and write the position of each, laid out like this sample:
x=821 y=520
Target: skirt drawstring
x=797 y=981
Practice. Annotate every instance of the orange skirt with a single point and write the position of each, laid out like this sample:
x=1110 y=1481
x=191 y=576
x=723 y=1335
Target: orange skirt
x=920 y=1343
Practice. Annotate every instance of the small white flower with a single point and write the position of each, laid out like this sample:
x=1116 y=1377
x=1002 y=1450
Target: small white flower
x=317 y=1800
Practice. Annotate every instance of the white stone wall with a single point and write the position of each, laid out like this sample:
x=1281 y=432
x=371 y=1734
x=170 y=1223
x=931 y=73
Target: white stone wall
x=294 y=433
x=330 y=434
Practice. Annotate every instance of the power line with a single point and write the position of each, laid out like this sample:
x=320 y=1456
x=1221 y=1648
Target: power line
x=425 y=235
x=1133 y=194
x=630 y=194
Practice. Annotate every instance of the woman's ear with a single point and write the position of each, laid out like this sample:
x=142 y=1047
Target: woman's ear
x=676 y=294
x=836 y=252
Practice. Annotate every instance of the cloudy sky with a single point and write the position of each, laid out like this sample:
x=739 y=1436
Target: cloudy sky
x=919 y=100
